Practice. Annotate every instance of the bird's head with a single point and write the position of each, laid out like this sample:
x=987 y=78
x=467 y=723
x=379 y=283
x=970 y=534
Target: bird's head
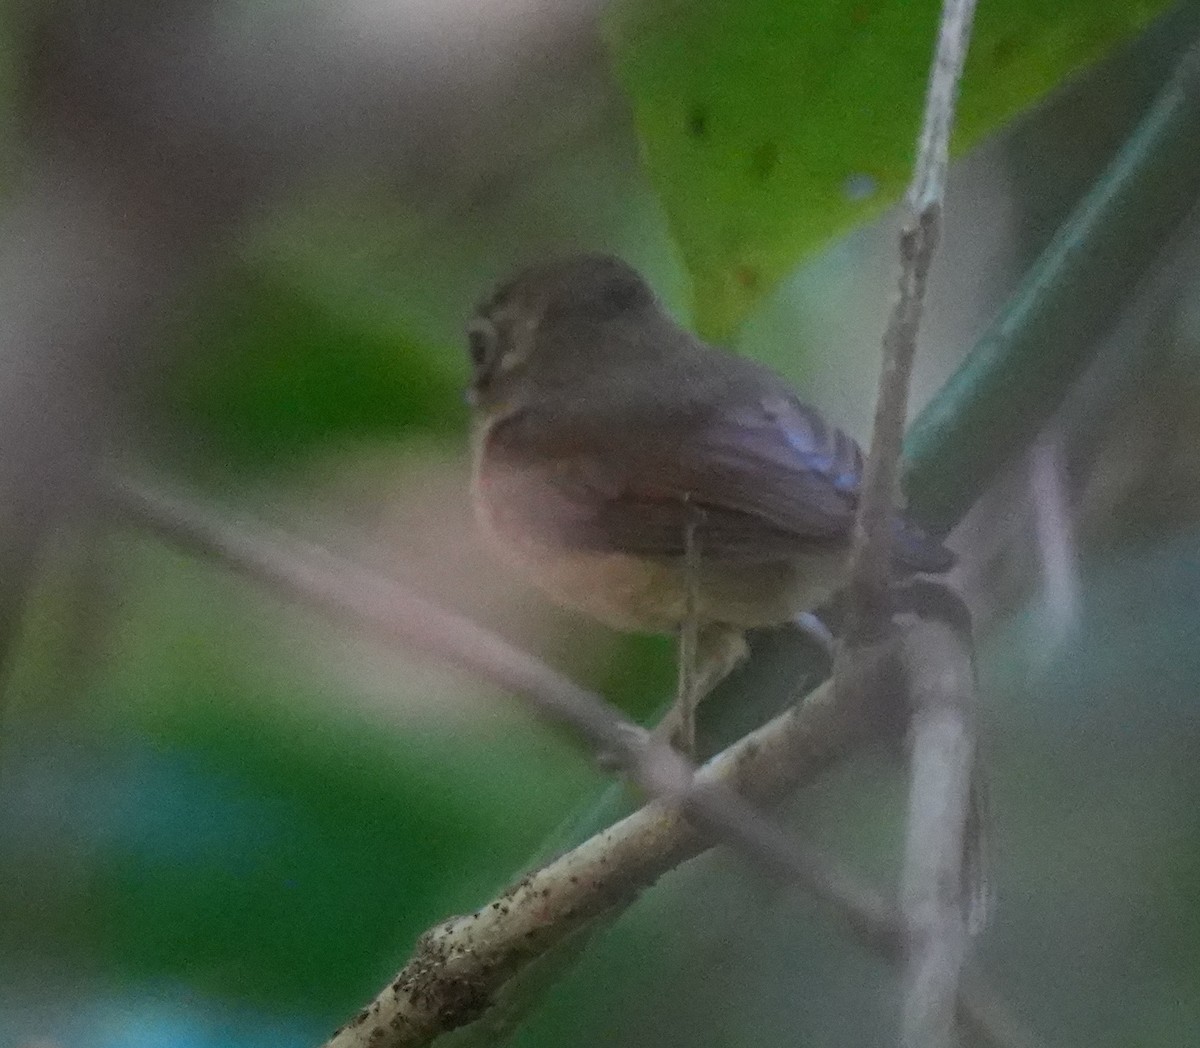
x=552 y=324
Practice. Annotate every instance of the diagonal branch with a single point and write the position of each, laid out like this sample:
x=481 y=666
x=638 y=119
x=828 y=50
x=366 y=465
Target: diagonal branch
x=459 y=965
x=319 y=579
x=315 y=577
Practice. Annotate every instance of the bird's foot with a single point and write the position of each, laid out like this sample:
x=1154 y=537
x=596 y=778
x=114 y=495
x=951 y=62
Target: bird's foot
x=677 y=729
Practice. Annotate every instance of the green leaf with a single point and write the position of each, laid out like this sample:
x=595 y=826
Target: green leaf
x=768 y=126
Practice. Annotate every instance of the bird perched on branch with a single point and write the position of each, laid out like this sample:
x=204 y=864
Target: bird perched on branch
x=650 y=480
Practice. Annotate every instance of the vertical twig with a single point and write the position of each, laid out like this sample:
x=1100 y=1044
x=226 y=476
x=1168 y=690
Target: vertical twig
x=933 y=903
x=942 y=743
x=933 y=897
x=871 y=550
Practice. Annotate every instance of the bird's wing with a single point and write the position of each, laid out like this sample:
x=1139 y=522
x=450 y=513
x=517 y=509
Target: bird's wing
x=757 y=480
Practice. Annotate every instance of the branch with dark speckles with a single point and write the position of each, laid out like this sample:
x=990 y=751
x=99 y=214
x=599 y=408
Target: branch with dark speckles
x=459 y=966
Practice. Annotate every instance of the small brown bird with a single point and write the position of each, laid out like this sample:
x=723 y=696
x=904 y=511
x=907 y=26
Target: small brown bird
x=637 y=474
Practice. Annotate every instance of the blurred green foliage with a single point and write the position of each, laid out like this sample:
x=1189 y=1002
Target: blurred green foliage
x=271 y=369
x=248 y=834
x=277 y=368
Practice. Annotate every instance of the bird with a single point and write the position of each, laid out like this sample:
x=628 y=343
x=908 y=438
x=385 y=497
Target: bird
x=654 y=482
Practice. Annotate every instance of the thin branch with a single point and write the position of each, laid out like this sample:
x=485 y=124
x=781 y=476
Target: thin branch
x=935 y=920
x=1049 y=331
x=314 y=576
x=941 y=686
x=871 y=551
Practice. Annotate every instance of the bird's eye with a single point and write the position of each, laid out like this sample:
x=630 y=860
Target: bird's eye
x=481 y=338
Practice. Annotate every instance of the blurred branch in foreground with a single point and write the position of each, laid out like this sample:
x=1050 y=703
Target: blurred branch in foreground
x=152 y=130
x=318 y=579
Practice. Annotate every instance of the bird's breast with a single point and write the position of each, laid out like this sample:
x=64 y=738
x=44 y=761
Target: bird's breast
x=644 y=594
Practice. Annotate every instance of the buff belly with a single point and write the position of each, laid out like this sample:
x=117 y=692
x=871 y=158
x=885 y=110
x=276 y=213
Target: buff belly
x=641 y=594
x=630 y=593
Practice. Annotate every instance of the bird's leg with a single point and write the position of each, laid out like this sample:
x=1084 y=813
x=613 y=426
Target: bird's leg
x=686 y=695
x=707 y=653
x=719 y=648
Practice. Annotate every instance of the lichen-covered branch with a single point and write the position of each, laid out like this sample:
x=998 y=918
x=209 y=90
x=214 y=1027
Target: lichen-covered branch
x=459 y=965
x=934 y=895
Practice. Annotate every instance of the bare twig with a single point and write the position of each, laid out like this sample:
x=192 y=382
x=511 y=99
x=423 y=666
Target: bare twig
x=941 y=675
x=1049 y=332
x=942 y=744
x=872 y=543
x=314 y=576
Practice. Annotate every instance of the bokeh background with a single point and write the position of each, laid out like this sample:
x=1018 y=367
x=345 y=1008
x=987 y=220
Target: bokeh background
x=240 y=245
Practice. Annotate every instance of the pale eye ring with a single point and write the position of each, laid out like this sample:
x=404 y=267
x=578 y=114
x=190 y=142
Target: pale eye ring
x=481 y=340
